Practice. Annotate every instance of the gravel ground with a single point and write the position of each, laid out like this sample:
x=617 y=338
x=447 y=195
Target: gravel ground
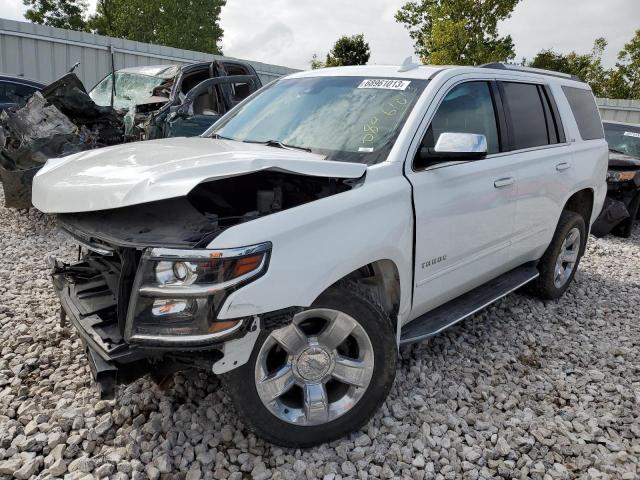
x=525 y=389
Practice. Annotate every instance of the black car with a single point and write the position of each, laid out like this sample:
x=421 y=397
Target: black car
x=177 y=100
x=14 y=91
x=622 y=206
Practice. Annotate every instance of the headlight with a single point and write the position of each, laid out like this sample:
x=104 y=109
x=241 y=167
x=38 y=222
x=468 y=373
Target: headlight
x=617 y=176
x=177 y=293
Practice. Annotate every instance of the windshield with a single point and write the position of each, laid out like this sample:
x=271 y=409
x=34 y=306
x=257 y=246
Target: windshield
x=350 y=119
x=131 y=89
x=623 y=138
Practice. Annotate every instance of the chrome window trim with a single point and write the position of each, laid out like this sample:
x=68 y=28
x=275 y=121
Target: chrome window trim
x=493 y=155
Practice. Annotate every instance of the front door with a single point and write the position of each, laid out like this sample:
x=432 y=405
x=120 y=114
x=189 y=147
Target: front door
x=464 y=210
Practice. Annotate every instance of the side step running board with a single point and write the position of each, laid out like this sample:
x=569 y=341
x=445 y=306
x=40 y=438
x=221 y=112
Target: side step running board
x=438 y=319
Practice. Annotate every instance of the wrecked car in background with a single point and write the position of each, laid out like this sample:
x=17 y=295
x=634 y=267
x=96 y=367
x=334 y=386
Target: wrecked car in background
x=162 y=101
x=622 y=206
x=59 y=120
x=143 y=103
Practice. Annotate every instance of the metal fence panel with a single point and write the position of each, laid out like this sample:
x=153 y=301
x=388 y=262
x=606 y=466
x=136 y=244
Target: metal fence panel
x=627 y=111
x=46 y=53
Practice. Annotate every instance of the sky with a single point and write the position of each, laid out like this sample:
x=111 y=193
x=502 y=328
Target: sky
x=289 y=32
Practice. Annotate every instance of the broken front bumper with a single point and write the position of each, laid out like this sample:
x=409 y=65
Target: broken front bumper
x=91 y=308
x=613 y=213
x=618 y=207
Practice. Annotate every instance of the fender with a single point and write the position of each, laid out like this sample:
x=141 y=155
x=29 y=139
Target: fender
x=317 y=244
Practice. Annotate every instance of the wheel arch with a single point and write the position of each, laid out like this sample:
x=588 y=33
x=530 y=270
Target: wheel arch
x=581 y=202
x=381 y=279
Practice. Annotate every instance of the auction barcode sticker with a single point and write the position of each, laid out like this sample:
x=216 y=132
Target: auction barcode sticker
x=631 y=134
x=387 y=84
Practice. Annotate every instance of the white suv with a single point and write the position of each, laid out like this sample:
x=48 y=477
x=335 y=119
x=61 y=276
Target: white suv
x=329 y=218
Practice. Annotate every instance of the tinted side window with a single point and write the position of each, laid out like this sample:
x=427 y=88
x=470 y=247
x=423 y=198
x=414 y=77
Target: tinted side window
x=528 y=124
x=585 y=111
x=467 y=108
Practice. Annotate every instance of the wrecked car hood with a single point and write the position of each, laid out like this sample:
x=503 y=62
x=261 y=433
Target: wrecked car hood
x=622 y=160
x=142 y=172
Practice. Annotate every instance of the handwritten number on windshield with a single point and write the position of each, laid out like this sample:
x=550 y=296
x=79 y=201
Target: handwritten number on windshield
x=389 y=109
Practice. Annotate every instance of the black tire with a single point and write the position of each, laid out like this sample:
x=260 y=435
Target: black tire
x=349 y=298
x=544 y=286
x=625 y=229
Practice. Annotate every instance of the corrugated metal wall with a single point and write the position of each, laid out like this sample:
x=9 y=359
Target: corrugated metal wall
x=46 y=53
x=627 y=111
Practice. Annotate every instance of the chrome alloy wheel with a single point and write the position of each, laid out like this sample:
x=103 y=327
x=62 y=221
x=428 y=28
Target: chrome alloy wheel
x=315 y=369
x=567 y=258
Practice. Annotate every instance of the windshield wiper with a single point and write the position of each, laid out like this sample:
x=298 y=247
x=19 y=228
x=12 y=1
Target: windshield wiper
x=279 y=144
x=617 y=151
x=217 y=136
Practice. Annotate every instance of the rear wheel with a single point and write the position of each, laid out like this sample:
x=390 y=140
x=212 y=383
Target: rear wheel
x=559 y=263
x=320 y=377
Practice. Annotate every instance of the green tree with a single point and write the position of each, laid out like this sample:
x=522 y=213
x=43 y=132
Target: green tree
x=102 y=21
x=587 y=67
x=625 y=79
x=461 y=32
x=351 y=50
x=190 y=24
x=348 y=50
x=67 y=14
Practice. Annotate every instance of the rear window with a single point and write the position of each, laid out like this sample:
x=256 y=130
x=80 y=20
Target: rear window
x=528 y=120
x=585 y=111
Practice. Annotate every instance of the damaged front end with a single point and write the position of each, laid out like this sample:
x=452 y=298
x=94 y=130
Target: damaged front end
x=153 y=311
x=622 y=206
x=58 y=121
x=146 y=293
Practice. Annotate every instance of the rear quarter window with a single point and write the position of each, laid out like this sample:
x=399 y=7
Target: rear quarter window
x=585 y=111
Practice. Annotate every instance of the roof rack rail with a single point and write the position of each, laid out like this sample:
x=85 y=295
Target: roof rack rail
x=539 y=71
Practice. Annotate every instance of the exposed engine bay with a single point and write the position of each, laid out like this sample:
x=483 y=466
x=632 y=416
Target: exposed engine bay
x=210 y=208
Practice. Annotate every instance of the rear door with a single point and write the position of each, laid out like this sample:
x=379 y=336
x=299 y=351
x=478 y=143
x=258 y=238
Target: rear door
x=541 y=159
x=464 y=210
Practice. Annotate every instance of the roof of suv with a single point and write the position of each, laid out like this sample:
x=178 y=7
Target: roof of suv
x=430 y=71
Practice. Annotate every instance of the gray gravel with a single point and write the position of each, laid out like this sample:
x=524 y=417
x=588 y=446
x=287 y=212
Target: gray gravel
x=525 y=389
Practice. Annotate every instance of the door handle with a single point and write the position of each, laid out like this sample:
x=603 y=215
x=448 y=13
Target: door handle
x=561 y=167
x=503 y=182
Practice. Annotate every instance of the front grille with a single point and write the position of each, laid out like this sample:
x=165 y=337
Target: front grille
x=103 y=283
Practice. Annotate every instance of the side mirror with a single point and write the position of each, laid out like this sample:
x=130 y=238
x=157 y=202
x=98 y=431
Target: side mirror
x=455 y=146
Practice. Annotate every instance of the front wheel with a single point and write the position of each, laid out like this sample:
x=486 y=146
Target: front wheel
x=560 y=262
x=320 y=377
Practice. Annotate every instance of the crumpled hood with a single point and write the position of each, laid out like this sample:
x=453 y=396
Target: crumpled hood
x=143 y=172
